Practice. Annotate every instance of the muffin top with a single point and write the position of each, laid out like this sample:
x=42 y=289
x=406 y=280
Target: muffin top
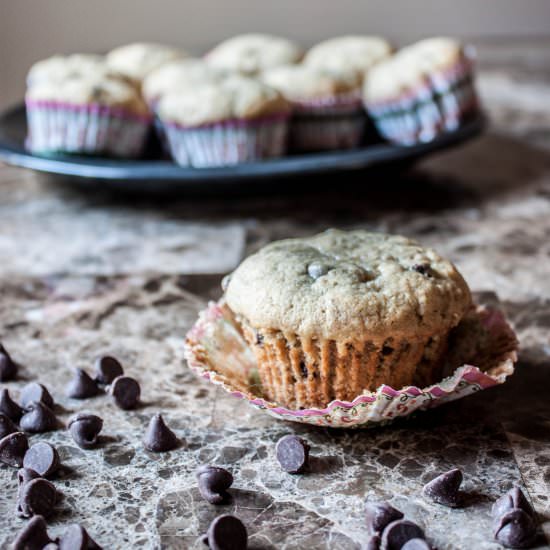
x=137 y=60
x=349 y=286
x=356 y=53
x=178 y=75
x=105 y=91
x=252 y=53
x=236 y=97
x=300 y=83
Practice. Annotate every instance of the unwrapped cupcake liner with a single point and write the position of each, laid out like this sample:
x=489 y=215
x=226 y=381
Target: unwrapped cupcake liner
x=228 y=142
x=85 y=129
x=481 y=354
x=440 y=102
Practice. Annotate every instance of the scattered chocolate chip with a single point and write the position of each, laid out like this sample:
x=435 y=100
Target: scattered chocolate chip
x=77 y=538
x=38 y=418
x=81 y=386
x=514 y=498
x=43 y=458
x=8 y=367
x=227 y=533
x=107 y=368
x=84 y=429
x=516 y=529
x=373 y=543
x=13 y=448
x=397 y=533
x=37 y=393
x=214 y=483
x=316 y=270
x=36 y=498
x=9 y=407
x=444 y=489
x=259 y=339
x=293 y=454
x=380 y=514
x=416 y=544
x=26 y=474
x=34 y=536
x=423 y=269
x=159 y=437
x=7 y=426
x=125 y=391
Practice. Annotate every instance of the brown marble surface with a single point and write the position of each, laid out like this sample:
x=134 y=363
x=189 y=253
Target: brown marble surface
x=82 y=274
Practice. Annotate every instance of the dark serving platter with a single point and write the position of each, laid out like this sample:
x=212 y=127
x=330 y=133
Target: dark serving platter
x=161 y=176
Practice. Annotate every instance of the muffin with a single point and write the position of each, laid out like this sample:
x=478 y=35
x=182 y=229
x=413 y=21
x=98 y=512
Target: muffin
x=424 y=90
x=138 y=60
x=356 y=53
x=326 y=105
x=99 y=116
x=237 y=120
x=334 y=315
x=250 y=54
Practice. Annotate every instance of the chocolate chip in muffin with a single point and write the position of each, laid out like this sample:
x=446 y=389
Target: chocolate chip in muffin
x=293 y=454
x=227 y=533
x=34 y=536
x=9 y=407
x=515 y=529
x=423 y=269
x=8 y=367
x=399 y=532
x=7 y=426
x=444 y=489
x=35 y=392
x=380 y=514
x=13 y=448
x=214 y=483
x=159 y=437
x=81 y=386
x=38 y=418
x=24 y=475
x=43 y=458
x=76 y=537
x=84 y=429
x=514 y=498
x=126 y=392
x=107 y=368
x=36 y=498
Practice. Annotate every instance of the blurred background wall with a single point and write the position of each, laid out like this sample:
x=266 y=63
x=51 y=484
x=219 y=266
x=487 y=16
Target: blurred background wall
x=34 y=29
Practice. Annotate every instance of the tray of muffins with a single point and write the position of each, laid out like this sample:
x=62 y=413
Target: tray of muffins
x=147 y=116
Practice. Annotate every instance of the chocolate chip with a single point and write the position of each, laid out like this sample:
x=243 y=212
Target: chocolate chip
x=34 y=536
x=316 y=270
x=416 y=544
x=159 y=437
x=397 y=533
x=293 y=454
x=38 y=418
x=423 y=269
x=7 y=426
x=514 y=498
x=43 y=458
x=24 y=475
x=9 y=407
x=36 y=498
x=84 y=429
x=516 y=529
x=373 y=543
x=380 y=514
x=76 y=537
x=107 y=368
x=81 y=386
x=8 y=367
x=125 y=391
x=444 y=489
x=227 y=533
x=13 y=448
x=35 y=392
x=214 y=483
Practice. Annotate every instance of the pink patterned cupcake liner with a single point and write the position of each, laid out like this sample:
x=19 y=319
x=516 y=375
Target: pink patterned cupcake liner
x=85 y=129
x=482 y=355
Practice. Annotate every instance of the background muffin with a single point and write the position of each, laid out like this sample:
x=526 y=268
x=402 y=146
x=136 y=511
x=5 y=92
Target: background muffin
x=92 y=115
x=327 y=110
x=237 y=120
x=339 y=313
x=250 y=54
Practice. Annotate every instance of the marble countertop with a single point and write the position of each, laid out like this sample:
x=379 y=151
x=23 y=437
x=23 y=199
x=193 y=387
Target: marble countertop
x=83 y=274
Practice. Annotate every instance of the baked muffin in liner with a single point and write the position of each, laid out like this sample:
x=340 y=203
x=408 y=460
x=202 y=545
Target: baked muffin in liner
x=481 y=353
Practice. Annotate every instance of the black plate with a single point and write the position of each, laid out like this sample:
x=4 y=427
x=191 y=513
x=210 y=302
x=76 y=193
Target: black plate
x=160 y=176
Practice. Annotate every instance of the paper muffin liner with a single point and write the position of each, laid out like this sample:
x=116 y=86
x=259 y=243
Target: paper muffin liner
x=481 y=354
x=86 y=129
x=327 y=124
x=440 y=102
x=228 y=142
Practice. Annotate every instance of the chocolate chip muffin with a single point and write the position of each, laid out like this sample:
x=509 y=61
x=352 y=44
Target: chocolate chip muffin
x=334 y=315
